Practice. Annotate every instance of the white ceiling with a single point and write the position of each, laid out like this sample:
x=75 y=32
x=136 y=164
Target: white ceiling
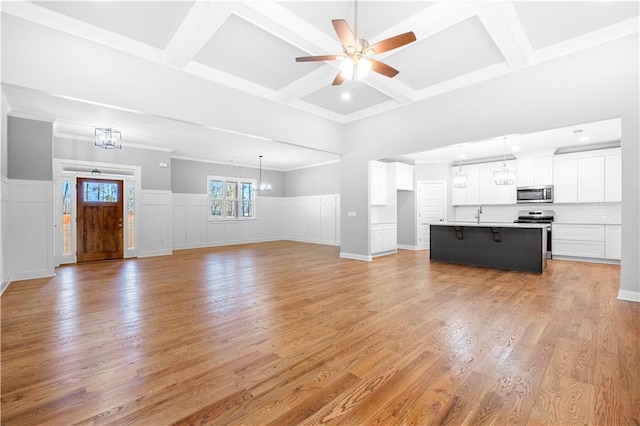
x=250 y=47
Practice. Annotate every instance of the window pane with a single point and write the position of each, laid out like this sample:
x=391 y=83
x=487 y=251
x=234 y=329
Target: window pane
x=215 y=189
x=246 y=191
x=231 y=190
x=131 y=214
x=247 y=209
x=66 y=218
x=231 y=209
x=100 y=192
x=215 y=208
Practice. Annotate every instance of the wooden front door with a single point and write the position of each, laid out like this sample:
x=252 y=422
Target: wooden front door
x=99 y=219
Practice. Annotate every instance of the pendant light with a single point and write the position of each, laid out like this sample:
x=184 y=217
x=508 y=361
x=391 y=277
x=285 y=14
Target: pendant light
x=460 y=177
x=504 y=176
x=262 y=186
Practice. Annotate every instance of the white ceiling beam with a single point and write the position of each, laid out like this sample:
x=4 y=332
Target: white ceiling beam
x=279 y=21
x=585 y=41
x=200 y=24
x=221 y=77
x=503 y=25
x=66 y=24
x=308 y=84
x=428 y=22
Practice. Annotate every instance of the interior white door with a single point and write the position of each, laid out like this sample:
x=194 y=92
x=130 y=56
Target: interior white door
x=431 y=209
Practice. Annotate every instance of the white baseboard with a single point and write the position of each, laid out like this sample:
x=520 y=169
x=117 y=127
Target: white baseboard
x=29 y=275
x=586 y=259
x=4 y=286
x=353 y=256
x=324 y=243
x=405 y=247
x=153 y=253
x=631 y=296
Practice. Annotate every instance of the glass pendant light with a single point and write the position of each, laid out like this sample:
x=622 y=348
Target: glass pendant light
x=262 y=186
x=460 y=177
x=504 y=176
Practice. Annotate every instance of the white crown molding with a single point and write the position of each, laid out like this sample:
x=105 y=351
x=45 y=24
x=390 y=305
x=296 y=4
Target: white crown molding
x=325 y=163
x=30 y=116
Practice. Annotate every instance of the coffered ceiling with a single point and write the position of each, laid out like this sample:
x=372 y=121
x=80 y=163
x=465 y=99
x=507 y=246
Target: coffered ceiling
x=251 y=46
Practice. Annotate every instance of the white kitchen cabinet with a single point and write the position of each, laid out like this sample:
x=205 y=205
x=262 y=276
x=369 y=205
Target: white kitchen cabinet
x=535 y=171
x=591 y=180
x=565 y=180
x=588 y=177
x=613 y=242
x=470 y=195
x=404 y=176
x=613 y=178
x=586 y=241
x=384 y=238
x=379 y=183
x=488 y=190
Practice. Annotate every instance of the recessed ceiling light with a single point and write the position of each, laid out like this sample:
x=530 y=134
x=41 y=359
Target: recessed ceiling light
x=345 y=96
x=584 y=138
x=461 y=155
x=515 y=148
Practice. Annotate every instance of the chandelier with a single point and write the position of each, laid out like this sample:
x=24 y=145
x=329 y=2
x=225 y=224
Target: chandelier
x=262 y=186
x=460 y=177
x=108 y=138
x=504 y=176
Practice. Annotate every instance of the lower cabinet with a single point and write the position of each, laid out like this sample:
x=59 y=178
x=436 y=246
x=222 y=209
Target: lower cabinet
x=587 y=241
x=384 y=238
x=613 y=241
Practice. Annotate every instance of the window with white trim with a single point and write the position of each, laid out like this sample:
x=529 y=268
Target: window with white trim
x=231 y=198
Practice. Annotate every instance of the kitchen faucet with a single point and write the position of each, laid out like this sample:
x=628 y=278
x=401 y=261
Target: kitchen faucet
x=478 y=215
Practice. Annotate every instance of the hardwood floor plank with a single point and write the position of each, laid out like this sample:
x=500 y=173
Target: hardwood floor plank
x=289 y=333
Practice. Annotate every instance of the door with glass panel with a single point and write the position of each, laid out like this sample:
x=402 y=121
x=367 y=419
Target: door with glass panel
x=99 y=219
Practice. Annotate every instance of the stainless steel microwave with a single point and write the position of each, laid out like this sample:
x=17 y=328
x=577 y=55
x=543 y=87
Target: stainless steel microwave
x=534 y=194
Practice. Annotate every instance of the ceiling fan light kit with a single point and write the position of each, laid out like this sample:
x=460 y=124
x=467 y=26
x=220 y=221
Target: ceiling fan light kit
x=357 y=62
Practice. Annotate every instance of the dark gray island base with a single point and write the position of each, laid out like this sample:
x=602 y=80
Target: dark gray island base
x=515 y=247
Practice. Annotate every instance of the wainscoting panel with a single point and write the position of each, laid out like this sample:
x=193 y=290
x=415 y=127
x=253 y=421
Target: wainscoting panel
x=155 y=223
x=310 y=219
x=30 y=208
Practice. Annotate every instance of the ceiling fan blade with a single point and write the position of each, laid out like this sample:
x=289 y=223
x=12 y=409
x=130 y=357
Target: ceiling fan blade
x=391 y=43
x=338 y=80
x=344 y=32
x=318 y=58
x=382 y=68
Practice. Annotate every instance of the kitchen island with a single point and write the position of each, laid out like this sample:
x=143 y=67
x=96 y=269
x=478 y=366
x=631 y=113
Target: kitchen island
x=514 y=246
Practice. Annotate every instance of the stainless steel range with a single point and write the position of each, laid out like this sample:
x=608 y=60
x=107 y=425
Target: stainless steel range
x=538 y=216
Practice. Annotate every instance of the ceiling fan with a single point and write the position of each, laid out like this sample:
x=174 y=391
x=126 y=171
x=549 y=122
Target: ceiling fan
x=356 y=51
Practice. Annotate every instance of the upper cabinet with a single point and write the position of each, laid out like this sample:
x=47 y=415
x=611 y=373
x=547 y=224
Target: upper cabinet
x=404 y=176
x=379 y=182
x=535 y=170
x=588 y=177
x=613 y=178
x=481 y=187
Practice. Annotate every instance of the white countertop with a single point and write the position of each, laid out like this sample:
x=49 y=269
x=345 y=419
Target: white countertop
x=495 y=224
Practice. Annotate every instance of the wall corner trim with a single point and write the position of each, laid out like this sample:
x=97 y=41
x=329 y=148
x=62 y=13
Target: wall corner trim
x=4 y=286
x=630 y=296
x=353 y=256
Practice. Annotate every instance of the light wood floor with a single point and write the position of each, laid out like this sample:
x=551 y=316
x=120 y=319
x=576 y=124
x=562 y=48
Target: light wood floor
x=287 y=333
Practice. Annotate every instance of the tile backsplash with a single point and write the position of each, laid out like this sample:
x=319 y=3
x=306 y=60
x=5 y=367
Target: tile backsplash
x=606 y=213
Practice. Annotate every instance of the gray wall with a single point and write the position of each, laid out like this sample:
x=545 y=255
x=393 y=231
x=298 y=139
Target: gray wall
x=190 y=177
x=319 y=180
x=29 y=149
x=153 y=176
x=3 y=141
x=407 y=218
x=590 y=85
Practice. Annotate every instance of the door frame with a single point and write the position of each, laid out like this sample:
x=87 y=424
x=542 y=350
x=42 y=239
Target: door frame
x=418 y=206
x=70 y=170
